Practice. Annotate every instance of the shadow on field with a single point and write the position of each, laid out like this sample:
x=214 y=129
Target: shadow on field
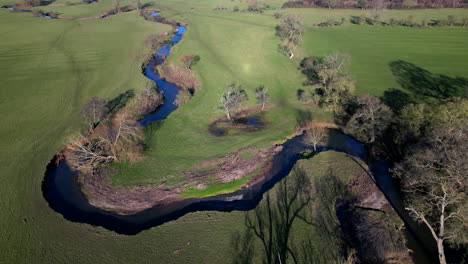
x=423 y=85
x=303 y=116
x=119 y=102
x=327 y=244
x=397 y=99
x=272 y=220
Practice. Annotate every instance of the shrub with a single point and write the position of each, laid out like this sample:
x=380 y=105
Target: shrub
x=183 y=77
x=37 y=12
x=257 y=6
x=278 y=14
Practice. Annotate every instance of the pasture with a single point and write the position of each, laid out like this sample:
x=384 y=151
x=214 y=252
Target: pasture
x=50 y=68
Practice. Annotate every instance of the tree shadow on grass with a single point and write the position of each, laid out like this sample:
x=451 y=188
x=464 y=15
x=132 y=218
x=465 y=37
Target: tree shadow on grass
x=303 y=116
x=397 y=99
x=424 y=86
x=119 y=102
x=272 y=220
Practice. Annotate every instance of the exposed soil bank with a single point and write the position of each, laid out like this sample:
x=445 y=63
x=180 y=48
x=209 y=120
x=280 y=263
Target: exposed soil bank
x=124 y=200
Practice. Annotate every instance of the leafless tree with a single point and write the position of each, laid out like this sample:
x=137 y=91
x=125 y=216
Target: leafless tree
x=378 y=8
x=138 y=4
x=150 y=97
x=182 y=98
x=189 y=60
x=94 y=111
x=117 y=6
x=329 y=76
x=290 y=30
x=435 y=180
x=262 y=95
x=316 y=134
x=231 y=99
x=125 y=129
x=370 y=120
x=257 y=6
x=86 y=154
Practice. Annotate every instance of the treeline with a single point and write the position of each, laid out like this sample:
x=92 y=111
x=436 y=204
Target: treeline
x=427 y=142
x=451 y=21
x=391 y=4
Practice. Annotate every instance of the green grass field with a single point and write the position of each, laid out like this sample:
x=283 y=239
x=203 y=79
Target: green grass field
x=50 y=68
x=438 y=50
x=217 y=38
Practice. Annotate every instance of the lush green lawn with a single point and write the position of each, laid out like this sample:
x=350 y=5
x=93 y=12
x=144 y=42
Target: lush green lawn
x=438 y=50
x=48 y=69
x=238 y=48
x=242 y=47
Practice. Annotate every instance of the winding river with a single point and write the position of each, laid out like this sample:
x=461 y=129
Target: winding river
x=62 y=191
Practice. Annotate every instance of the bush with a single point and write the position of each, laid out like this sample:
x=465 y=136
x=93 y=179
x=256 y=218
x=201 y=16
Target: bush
x=257 y=6
x=38 y=12
x=235 y=9
x=278 y=14
x=53 y=14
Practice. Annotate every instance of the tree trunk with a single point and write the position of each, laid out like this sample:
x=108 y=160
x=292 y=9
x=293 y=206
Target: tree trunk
x=228 y=114
x=440 y=249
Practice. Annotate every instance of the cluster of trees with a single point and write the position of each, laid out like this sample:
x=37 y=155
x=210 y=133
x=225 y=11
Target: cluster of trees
x=429 y=145
x=451 y=21
x=331 y=23
x=391 y=4
x=32 y=3
x=40 y=13
x=290 y=30
x=330 y=84
x=113 y=131
x=257 y=6
x=234 y=96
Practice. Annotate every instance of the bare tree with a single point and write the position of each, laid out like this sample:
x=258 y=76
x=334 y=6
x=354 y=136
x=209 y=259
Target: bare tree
x=117 y=6
x=316 y=134
x=330 y=3
x=86 y=154
x=150 y=97
x=182 y=98
x=125 y=129
x=329 y=76
x=257 y=6
x=94 y=111
x=262 y=95
x=189 y=60
x=378 y=8
x=435 y=181
x=138 y=4
x=370 y=120
x=290 y=30
x=231 y=99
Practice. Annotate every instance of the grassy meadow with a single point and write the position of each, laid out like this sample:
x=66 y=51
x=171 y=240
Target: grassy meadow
x=50 y=68
x=372 y=49
x=243 y=48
